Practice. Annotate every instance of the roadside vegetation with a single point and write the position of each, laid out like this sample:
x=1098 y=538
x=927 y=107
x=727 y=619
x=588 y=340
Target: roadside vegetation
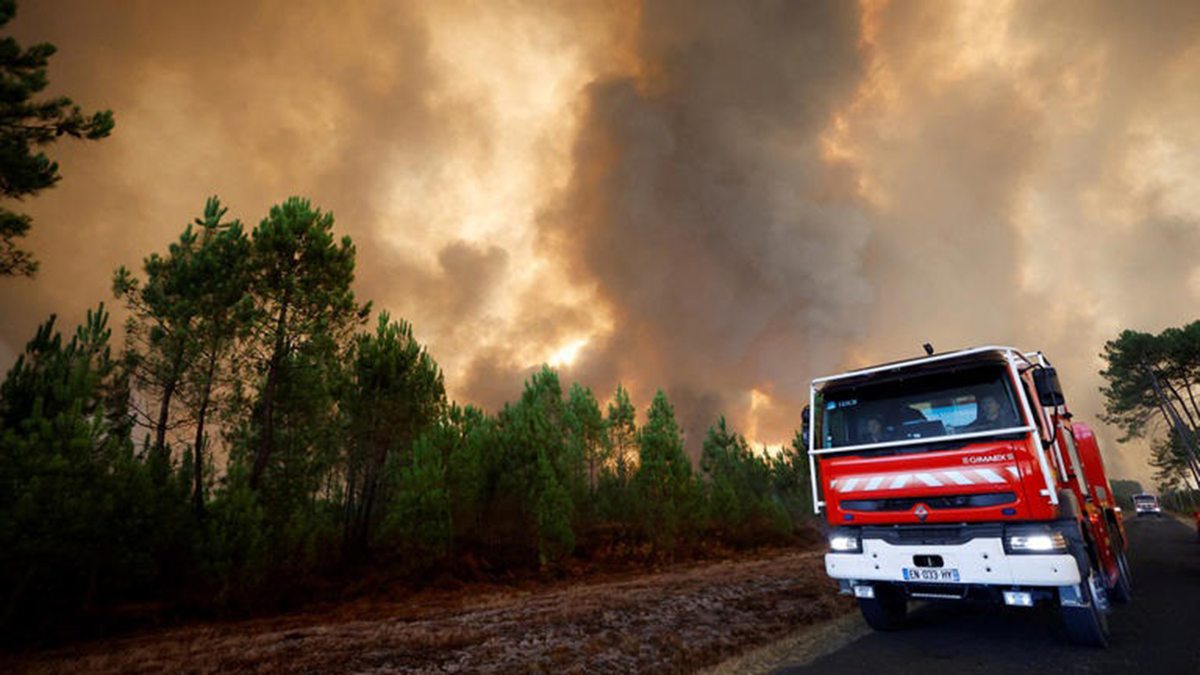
x=258 y=437
x=1153 y=382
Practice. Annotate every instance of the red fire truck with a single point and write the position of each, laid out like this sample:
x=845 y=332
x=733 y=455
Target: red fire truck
x=962 y=475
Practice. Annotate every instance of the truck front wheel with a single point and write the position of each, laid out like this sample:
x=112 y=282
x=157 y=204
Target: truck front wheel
x=887 y=610
x=1088 y=625
x=1123 y=590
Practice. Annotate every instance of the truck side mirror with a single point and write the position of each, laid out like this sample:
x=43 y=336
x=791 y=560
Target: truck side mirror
x=804 y=425
x=1050 y=393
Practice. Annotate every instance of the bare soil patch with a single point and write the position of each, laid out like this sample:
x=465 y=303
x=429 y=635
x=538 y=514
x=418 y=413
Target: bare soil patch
x=681 y=619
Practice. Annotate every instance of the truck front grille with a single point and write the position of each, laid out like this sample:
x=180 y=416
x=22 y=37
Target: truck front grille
x=934 y=502
x=939 y=535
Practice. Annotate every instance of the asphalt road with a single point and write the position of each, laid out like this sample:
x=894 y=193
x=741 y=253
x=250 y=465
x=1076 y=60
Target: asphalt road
x=1159 y=632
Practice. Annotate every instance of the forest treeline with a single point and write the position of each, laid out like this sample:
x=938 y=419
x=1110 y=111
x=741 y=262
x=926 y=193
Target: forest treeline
x=256 y=435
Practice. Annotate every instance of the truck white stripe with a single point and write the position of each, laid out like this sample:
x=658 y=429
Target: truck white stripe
x=932 y=478
x=990 y=476
x=959 y=478
x=929 y=479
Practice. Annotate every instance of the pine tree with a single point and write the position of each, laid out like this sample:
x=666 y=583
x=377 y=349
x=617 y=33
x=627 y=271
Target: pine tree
x=589 y=454
x=589 y=437
x=622 y=434
x=615 y=499
x=513 y=486
x=552 y=513
x=224 y=315
x=663 y=480
x=721 y=460
x=791 y=475
x=1151 y=388
x=76 y=519
x=469 y=433
x=184 y=321
x=419 y=522
x=25 y=126
x=395 y=394
x=302 y=288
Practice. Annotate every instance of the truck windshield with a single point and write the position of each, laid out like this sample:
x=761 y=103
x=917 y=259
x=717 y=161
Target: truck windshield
x=928 y=405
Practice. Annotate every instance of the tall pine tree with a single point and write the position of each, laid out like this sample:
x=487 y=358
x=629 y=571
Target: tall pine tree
x=26 y=126
x=664 y=477
x=301 y=284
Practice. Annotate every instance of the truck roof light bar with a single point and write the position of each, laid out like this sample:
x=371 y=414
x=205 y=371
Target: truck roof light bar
x=921 y=361
x=1037 y=356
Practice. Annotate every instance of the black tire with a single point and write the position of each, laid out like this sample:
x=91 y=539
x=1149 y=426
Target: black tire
x=1122 y=591
x=1088 y=625
x=887 y=611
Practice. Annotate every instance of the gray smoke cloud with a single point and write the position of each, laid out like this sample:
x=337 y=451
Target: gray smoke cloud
x=721 y=200
x=702 y=210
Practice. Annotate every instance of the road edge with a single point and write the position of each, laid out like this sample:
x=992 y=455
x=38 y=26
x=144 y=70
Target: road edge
x=801 y=647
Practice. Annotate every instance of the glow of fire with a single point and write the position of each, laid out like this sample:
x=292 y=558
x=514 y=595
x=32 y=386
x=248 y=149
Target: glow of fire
x=566 y=354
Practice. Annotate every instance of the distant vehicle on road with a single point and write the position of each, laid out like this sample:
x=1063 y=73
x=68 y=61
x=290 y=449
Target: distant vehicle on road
x=1147 y=505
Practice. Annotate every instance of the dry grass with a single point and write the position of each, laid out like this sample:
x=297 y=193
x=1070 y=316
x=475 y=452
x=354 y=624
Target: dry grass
x=679 y=620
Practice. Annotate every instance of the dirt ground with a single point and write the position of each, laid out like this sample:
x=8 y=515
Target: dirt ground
x=683 y=619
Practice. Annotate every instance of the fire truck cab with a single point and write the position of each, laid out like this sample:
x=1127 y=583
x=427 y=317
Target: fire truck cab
x=963 y=476
x=1147 y=504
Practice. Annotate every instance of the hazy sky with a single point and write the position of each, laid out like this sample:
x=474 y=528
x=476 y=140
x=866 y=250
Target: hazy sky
x=720 y=199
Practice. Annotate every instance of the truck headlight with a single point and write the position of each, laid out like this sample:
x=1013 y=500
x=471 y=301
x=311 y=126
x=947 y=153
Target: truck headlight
x=845 y=540
x=1034 y=539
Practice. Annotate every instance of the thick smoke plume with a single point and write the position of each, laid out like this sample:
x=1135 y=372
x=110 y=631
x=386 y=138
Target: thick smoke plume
x=723 y=200
x=703 y=211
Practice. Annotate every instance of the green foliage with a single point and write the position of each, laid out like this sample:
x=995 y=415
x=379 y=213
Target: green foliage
x=467 y=435
x=552 y=513
x=395 y=393
x=623 y=434
x=74 y=521
x=184 y=319
x=341 y=448
x=1150 y=391
x=616 y=502
x=461 y=437
x=791 y=473
x=224 y=314
x=419 y=522
x=1170 y=459
x=306 y=309
x=236 y=551
x=589 y=452
x=1130 y=400
x=663 y=480
x=309 y=430
x=26 y=125
x=749 y=493
x=512 y=486
x=735 y=478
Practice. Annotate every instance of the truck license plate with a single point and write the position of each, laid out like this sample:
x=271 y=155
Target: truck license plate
x=941 y=574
